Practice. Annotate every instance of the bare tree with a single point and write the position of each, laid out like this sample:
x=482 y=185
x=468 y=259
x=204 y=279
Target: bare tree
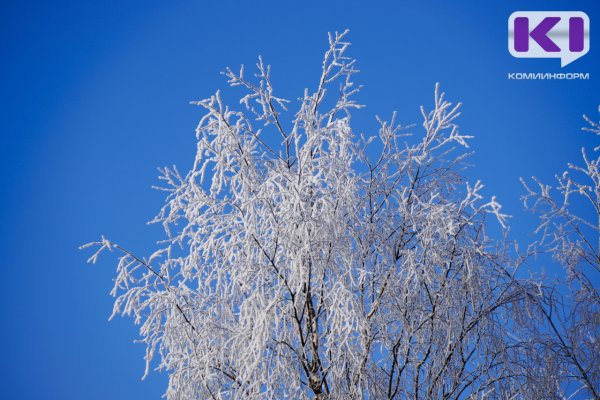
x=305 y=261
x=563 y=317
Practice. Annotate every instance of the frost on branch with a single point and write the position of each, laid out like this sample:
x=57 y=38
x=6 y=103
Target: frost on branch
x=563 y=318
x=302 y=261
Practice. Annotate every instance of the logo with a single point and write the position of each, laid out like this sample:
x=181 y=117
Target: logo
x=549 y=34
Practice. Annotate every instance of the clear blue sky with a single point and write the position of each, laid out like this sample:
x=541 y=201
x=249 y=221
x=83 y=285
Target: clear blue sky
x=95 y=97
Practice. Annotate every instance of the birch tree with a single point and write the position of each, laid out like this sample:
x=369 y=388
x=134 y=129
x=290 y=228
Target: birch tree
x=305 y=260
x=562 y=319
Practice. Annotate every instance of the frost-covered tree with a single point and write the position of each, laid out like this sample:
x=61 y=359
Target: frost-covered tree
x=562 y=320
x=303 y=260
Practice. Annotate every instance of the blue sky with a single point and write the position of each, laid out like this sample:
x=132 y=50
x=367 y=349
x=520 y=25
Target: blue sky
x=95 y=96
